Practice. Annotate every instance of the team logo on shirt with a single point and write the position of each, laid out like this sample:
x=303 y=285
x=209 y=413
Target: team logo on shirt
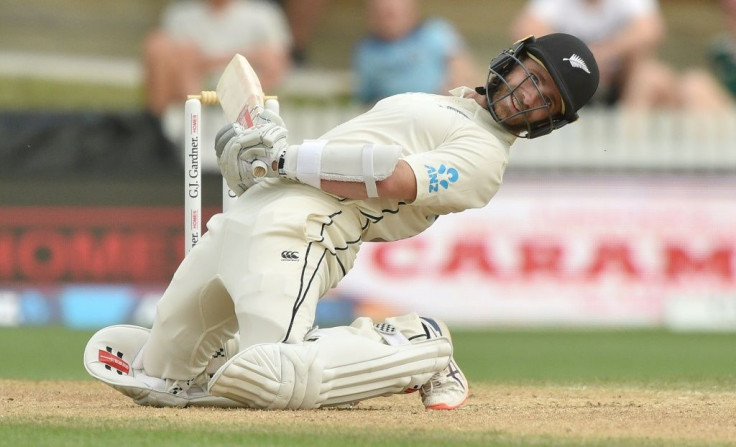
x=442 y=176
x=288 y=255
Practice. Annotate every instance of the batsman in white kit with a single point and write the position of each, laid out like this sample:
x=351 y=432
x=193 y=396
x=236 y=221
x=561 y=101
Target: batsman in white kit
x=235 y=327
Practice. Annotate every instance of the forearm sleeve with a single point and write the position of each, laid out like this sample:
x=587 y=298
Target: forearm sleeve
x=316 y=160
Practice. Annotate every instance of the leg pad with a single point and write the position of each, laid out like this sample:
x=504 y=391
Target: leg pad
x=333 y=370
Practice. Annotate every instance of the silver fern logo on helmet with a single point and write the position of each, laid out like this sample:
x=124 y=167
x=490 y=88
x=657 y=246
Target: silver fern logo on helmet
x=577 y=62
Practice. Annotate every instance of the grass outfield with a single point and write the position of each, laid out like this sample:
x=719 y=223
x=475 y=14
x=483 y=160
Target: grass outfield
x=563 y=357
x=530 y=388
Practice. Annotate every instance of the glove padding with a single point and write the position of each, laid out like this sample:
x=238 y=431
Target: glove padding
x=237 y=148
x=270 y=147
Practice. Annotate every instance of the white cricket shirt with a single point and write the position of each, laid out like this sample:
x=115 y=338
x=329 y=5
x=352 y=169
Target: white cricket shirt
x=456 y=149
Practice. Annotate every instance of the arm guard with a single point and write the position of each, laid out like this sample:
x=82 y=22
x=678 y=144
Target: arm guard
x=316 y=160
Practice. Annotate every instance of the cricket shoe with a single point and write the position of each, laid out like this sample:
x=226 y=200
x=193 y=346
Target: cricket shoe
x=447 y=389
x=189 y=393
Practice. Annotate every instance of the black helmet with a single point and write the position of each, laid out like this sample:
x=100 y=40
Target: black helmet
x=572 y=67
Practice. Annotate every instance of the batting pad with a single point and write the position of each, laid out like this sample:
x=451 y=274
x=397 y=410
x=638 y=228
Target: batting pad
x=109 y=357
x=331 y=371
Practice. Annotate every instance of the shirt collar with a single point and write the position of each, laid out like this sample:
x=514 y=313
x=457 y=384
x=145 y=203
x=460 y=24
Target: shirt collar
x=482 y=114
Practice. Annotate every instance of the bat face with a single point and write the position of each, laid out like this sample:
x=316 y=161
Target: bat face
x=239 y=91
x=241 y=97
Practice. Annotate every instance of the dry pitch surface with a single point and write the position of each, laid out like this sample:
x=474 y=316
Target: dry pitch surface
x=579 y=413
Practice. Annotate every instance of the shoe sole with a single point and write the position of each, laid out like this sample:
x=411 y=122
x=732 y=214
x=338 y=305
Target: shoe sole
x=445 y=406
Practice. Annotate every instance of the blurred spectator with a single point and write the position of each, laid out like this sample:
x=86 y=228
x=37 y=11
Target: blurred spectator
x=405 y=53
x=303 y=16
x=723 y=50
x=623 y=35
x=197 y=38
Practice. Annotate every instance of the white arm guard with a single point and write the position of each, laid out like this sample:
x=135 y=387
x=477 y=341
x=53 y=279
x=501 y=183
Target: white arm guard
x=316 y=160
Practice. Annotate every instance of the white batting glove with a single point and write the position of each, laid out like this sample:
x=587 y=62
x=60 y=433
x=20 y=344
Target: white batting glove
x=272 y=145
x=237 y=174
x=237 y=148
x=267 y=116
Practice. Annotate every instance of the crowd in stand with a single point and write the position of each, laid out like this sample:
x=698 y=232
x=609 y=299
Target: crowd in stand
x=404 y=49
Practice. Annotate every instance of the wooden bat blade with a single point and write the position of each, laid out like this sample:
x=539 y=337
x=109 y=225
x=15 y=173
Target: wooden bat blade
x=239 y=91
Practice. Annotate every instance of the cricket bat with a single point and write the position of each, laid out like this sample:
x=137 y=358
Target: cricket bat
x=241 y=97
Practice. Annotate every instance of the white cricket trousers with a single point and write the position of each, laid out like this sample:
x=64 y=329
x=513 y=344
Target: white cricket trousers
x=259 y=269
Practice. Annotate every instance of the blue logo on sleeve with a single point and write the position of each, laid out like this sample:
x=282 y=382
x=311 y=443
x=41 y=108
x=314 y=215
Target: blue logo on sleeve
x=442 y=176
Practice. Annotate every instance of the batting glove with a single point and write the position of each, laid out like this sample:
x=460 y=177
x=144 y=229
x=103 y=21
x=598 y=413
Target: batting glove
x=237 y=148
x=267 y=116
x=270 y=148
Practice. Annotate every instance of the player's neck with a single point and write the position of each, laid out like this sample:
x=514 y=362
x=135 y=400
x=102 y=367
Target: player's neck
x=477 y=97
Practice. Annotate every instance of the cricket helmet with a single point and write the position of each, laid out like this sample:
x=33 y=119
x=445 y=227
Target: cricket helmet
x=569 y=62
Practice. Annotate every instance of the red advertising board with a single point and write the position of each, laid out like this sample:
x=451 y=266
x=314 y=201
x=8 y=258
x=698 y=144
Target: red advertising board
x=619 y=252
x=90 y=244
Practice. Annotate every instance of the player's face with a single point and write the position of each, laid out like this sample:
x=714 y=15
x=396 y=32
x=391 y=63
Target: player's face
x=531 y=96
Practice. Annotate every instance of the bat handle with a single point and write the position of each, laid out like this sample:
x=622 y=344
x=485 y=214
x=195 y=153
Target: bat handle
x=259 y=168
x=272 y=104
